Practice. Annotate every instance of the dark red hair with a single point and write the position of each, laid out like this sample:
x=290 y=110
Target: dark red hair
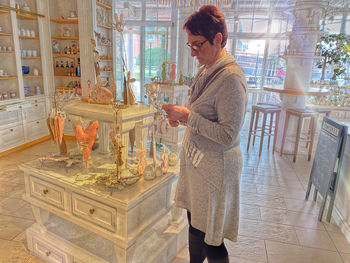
x=207 y=22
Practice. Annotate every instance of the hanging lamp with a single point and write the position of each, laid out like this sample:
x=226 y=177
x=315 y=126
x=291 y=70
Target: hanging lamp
x=193 y=3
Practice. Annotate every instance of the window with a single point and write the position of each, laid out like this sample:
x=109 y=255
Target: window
x=249 y=55
x=147 y=37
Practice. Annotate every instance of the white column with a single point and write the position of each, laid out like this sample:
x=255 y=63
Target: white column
x=299 y=59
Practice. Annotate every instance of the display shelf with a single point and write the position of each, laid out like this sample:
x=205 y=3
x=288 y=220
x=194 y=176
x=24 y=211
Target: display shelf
x=106 y=60
x=106 y=45
x=30 y=57
x=31 y=76
x=4 y=12
x=66 y=76
x=27 y=37
x=33 y=97
x=5 y=34
x=27 y=17
x=8 y=77
x=64 y=54
x=4 y=104
x=65 y=21
x=65 y=38
x=103 y=5
x=104 y=26
x=7 y=52
x=106 y=71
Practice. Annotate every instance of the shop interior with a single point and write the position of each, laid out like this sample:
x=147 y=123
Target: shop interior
x=89 y=163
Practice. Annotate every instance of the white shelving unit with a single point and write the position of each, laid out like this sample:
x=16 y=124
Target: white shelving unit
x=23 y=111
x=103 y=25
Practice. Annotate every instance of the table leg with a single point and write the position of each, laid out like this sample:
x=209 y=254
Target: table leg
x=41 y=216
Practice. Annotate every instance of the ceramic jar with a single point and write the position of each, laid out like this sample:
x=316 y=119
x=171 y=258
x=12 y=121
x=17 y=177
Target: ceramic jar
x=149 y=173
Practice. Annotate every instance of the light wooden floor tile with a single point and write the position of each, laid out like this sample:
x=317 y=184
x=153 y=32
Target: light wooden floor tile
x=247 y=248
x=314 y=238
x=340 y=242
x=287 y=217
x=266 y=230
x=287 y=253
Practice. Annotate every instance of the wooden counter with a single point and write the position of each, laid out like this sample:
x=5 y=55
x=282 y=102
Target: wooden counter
x=309 y=92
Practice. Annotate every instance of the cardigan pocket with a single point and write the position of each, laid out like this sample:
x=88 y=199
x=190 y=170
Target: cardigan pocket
x=192 y=153
x=208 y=165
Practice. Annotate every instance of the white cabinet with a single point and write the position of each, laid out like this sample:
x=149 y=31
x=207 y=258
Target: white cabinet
x=35 y=130
x=11 y=136
x=94 y=212
x=46 y=192
x=36 y=111
x=92 y=223
x=24 y=78
x=22 y=123
x=50 y=253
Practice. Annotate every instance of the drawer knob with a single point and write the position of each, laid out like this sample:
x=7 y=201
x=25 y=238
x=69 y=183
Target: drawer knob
x=48 y=253
x=91 y=210
x=20 y=107
x=36 y=105
x=45 y=191
x=11 y=130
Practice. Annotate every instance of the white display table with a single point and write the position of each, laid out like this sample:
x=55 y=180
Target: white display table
x=138 y=117
x=78 y=220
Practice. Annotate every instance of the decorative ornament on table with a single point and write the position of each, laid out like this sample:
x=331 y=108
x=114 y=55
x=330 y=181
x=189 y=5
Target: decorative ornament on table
x=164 y=72
x=181 y=80
x=128 y=94
x=172 y=74
x=165 y=160
x=121 y=176
x=66 y=32
x=55 y=46
x=97 y=94
x=86 y=139
x=141 y=155
x=173 y=158
x=118 y=23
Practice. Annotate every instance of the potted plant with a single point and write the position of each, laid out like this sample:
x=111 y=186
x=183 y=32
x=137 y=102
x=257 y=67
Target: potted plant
x=335 y=48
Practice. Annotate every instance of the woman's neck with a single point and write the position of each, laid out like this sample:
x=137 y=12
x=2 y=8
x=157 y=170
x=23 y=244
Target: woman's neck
x=220 y=54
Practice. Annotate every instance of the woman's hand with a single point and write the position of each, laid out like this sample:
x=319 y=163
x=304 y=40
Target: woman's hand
x=176 y=113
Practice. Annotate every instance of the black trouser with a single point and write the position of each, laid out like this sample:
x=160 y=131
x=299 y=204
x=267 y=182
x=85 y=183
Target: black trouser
x=199 y=250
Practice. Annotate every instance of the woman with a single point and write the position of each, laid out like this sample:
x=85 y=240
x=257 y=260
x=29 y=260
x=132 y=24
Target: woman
x=211 y=162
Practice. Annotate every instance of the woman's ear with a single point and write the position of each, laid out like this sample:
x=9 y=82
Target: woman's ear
x=218 y=38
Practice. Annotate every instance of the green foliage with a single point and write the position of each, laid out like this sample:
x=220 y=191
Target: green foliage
x=335 y=48
x=156 y=57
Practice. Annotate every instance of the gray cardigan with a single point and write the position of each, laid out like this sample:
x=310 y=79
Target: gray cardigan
x=211 y=161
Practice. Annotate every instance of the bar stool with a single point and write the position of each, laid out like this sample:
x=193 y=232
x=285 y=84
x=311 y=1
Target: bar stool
x=265 y=110
x=319 y=109
x=300 y=114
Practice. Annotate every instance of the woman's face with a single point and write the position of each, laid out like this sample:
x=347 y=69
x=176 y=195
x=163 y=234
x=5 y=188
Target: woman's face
x=201 y=48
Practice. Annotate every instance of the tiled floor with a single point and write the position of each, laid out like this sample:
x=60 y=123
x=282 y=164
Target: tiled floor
x=276 y=224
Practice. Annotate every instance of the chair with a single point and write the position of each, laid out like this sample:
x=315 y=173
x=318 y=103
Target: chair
x=272 y=131
x=301 y=114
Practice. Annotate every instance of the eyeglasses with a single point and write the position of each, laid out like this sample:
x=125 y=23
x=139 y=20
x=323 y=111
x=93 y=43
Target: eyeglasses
x=196 y=46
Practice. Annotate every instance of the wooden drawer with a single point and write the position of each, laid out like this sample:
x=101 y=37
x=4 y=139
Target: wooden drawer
x=36 y=129
x=94 y=212
x=10 y=117
x=49 y=193
x=50 y=253
x=11 y=137
x=35 y=112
